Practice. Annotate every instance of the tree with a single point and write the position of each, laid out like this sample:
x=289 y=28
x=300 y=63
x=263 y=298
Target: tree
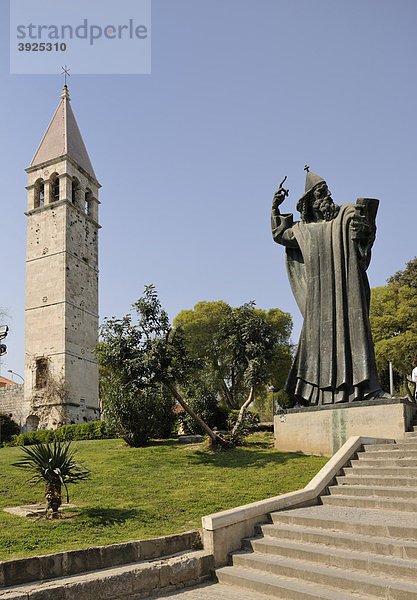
x=54 y=465
x=8 y=428
x=136 y=415
x=201 y=328
x=408 y=276
x=248 y=341
x=211 y=337
x=393 y=316
x=145 y=354
x=199 y=395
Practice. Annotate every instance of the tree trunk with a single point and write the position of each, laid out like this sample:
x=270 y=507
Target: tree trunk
x=243 y=410
x=227 y=396
x=233 y=389
x=214 y=437
x=53 y=498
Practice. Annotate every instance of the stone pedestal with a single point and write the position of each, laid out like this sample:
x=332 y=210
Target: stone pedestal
x=322 y=430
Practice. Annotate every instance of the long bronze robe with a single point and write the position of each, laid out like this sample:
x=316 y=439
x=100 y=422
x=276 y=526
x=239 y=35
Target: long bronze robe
x=335 y=360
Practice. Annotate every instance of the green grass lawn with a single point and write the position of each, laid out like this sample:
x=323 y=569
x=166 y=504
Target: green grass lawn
x=137 y=493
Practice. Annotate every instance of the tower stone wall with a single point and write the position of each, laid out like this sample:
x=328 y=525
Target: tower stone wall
x=61 y=312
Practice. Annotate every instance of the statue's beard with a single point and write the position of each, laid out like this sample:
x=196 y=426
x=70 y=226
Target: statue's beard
x=327 y=207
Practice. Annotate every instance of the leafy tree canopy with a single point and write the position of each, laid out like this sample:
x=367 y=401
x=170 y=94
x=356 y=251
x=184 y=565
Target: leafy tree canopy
x=237 y=347
x=408 y=276
x=216 y=347
x=8 y=428
x=139 y=354
x=393 y=316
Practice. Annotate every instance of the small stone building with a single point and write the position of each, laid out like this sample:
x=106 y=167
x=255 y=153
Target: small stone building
x=4 y=382
x=11 y=399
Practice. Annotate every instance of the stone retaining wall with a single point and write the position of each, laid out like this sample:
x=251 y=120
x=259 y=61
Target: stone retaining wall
x=127 y=582
x=11 y=401
x=50 y=566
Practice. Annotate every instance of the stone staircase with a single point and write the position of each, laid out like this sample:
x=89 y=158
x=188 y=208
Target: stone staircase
x=360 y=542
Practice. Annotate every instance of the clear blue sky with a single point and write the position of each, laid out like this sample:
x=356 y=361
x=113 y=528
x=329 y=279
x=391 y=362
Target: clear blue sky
x=241 y=93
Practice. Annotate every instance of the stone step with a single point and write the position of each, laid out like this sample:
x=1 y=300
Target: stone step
x=338 y=539
x=376 y=481
x=356 y=560
x=410 y=434
x=278 y=587
x=406 y=493
x=406 y=441
x=130 y=582
x=358 y=469
x=402 y=452
x=385 y=461
x=352 y=520
x=367 y=502
x=342 y=580
x=379 y=447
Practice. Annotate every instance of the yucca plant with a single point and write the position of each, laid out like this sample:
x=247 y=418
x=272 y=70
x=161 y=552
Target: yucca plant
x=54 y=465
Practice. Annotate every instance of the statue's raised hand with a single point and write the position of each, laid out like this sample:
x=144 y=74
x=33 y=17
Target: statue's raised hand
x=359 y=225
x=363 y=221
x=280 y=195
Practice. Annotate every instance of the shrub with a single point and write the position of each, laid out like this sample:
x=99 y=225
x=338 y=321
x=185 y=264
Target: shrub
x=203 y=402
x=284 y=400
x=94 y=430
x=250 y=419
x=8 y=428
x=42 y=436
x=249 y=423
x=165 y=418
x=137 y=415
x=54 y=465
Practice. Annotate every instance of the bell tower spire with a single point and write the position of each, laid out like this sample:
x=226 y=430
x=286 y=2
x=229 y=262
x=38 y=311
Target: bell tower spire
x=65 y=72
x=65 y=93
x=61 y=312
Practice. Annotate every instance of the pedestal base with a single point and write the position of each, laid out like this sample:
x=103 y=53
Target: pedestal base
x=322 y=430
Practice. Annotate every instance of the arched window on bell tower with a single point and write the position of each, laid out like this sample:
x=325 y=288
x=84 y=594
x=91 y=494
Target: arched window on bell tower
x=54 y=187
x=39 y=193
x=75 y=190
x=87 y=202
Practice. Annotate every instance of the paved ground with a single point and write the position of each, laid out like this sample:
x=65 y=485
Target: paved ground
x=212 y=591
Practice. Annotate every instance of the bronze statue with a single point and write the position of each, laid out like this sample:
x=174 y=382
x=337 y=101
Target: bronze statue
x=327 y=255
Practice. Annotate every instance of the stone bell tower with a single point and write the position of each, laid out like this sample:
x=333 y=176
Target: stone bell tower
x=61 y=312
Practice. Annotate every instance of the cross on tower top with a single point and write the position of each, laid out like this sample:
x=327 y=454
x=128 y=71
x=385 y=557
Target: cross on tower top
x=65 y=72
x=306 y=168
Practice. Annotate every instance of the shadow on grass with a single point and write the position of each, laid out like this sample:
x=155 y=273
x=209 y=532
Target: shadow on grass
x=261 y=444
x=257 y=453
x=163 y=442
x=108 y=516
x=241 y=457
